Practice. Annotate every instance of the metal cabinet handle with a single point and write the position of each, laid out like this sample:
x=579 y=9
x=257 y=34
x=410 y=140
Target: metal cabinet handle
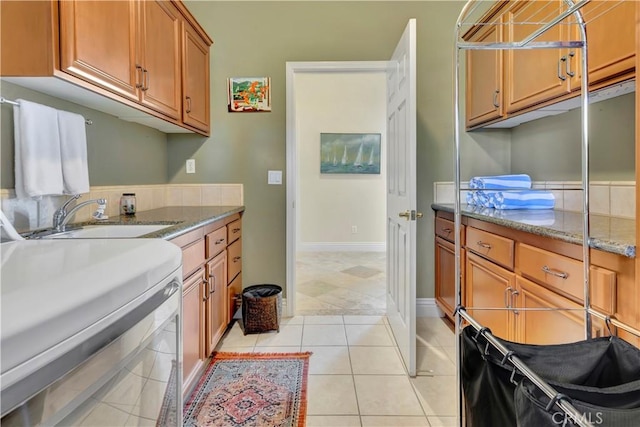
x=568 y=65
x=219 y=241
x=206 y=282
x=237 y=258
x=138 y=76
x=212 y=289
x=447 y=230
x=514 y=293
x=553 y=272
x=483 y=244
x=507 y=296
x=188 y=104
x=495 y=98
x=145 y=79
x=235 y=230
x=560 y=76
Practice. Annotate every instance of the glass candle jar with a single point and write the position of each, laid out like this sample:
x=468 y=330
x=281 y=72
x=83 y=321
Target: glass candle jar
x=128 y=204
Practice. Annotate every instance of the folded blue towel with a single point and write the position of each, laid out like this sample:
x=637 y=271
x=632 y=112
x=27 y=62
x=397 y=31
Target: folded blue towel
x=499 y=182
x=523 y=199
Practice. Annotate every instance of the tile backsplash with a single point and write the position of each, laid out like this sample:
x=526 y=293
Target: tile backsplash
x=615 y=198
x=27 y=214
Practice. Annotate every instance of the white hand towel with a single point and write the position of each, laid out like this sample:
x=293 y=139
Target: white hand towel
x=37 y=150
x=73 y=151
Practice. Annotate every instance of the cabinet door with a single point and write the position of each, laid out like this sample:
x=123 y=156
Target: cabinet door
x=216 y=322
x=160 y=57
x=489 y=286
x=540 y=323
x=98 y=43
x=536 y=75
x=195 y=80
x=484 y=79
x=193 y=318
x=234 y=291
x=611 y=36
x=445 y=262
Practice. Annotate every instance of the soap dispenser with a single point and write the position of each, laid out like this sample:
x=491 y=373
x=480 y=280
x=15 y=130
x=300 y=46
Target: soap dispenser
x=128 y=204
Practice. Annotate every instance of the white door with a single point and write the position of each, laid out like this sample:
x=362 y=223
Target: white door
x=401 y=196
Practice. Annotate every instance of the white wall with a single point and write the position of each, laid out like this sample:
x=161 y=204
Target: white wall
x=330 y=205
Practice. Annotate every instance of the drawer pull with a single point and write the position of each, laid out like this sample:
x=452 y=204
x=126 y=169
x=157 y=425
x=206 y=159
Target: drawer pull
x=447 y=230
x=483 y=244
x=219 y=241
x=237 y=258
x=235 y=230
x=557 y=273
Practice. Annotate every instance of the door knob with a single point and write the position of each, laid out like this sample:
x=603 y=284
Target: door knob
x=410 y=215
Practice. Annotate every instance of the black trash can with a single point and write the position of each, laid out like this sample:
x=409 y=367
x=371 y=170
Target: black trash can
x=602 y=371
x=261 y=308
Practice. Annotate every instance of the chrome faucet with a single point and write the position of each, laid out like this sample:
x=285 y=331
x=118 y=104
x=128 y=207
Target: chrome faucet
x=61 y=217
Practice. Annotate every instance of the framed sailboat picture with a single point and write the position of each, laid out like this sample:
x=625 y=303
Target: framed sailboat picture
x=350 y=153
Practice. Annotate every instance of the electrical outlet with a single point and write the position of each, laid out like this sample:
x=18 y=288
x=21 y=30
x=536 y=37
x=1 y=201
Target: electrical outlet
x=191 y=166
x=354 y=229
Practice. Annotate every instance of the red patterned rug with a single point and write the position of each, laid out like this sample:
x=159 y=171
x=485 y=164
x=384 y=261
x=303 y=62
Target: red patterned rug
x=251 y=389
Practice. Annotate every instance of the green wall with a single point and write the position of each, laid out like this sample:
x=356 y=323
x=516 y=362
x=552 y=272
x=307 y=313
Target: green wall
x=257 y=39
x=549 y=149
x=118 y=152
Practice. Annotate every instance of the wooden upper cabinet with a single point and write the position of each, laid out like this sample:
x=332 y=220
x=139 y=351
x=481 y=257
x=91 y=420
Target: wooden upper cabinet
x=611 y=40
x=536 y=75
x=98 y=43
x=195 y=79
x=159 y=55
x=484 y=77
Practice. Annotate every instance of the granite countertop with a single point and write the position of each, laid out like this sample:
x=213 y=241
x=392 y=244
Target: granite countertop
x=610 y=234
x=180 y=219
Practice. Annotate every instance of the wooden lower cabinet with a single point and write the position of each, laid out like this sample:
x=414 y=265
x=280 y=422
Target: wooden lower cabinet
x=193 y=333
x=234 y=292
x=445 y=262
x=546 y=317
x=216 y=301
x=490 y=286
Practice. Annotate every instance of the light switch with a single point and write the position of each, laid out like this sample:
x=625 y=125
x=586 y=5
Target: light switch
x=275 y=178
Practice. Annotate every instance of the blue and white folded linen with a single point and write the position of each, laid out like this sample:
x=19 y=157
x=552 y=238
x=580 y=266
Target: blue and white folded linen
x=480 y=198
x=500 y=182
x=523 y=199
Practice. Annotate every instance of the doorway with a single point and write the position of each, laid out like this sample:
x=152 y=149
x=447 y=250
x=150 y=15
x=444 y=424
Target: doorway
x=336 y=235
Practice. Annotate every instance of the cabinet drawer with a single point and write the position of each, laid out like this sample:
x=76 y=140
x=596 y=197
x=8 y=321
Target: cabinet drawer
x=235 y=259
x=192 y=257
x=565 y=276
x=444 y=229
x=234 y=230
x=491 y=246
x=215 y=242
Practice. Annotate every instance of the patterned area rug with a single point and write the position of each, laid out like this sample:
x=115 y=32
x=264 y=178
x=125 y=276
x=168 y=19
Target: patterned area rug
x=251 y=389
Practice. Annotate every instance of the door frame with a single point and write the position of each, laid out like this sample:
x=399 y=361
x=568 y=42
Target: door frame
x=292 y=68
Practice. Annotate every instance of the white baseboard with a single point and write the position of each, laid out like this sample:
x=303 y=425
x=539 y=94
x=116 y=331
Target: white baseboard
x=427 y=307
x=342 y=247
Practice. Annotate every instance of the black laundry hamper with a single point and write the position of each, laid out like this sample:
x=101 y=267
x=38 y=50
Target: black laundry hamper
x=261 y=308
x=597 y=372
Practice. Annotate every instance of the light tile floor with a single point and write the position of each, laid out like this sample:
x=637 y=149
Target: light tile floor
x=335 y=283
x=356 y=376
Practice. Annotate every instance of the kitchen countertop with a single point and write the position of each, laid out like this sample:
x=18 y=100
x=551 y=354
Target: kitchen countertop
x=181 y=219
x=609 y=234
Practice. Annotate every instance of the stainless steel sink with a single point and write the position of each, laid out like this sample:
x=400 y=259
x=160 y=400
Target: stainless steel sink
x=105 y=231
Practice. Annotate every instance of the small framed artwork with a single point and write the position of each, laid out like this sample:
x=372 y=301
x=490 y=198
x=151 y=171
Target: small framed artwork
x=249 y=94
x=350 y=153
